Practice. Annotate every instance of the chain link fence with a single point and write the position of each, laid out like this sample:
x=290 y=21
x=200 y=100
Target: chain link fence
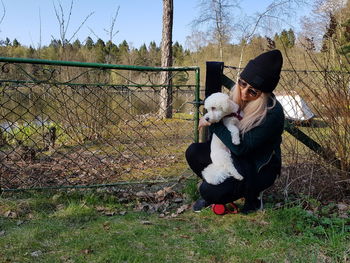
x=316 y=142
x=70 y=124
x=317 y=104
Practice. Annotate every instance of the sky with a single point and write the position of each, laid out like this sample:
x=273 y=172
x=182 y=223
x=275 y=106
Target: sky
x=138 y=21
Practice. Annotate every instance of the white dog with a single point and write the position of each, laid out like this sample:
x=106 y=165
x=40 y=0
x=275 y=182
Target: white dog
x=219 y=106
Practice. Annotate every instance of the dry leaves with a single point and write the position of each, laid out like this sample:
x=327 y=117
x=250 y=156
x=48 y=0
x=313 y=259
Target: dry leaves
x=163 y=201
x=10 y=214
x=87 y=251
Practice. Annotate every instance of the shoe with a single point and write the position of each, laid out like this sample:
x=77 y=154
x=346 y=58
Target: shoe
x=252 y=205
x=199 y=205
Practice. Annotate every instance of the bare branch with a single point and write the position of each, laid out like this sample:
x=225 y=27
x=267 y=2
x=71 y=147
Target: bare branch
x=4 y=12
x=277 y=10
x=111 y=32
x=218 y=14
x=93 y=33
x=59 y=18
x=60 y=15
x=39 y=29
x=86 y=18
x=69 y=16
x=274 y=12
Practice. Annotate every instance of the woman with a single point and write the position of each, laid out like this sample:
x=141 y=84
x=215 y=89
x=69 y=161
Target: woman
x=258 y=156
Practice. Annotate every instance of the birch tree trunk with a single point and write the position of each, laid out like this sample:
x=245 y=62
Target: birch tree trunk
x=165 y=110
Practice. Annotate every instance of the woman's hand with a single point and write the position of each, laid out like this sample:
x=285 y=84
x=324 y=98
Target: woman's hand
x=203 y=123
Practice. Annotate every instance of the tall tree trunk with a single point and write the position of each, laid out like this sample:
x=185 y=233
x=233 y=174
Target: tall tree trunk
x=165 y=110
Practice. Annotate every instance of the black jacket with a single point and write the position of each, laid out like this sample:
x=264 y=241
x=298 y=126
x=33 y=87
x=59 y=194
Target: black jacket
x=260 y=143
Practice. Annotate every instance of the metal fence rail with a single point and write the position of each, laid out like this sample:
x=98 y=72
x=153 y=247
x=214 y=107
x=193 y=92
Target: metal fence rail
x=72 y=124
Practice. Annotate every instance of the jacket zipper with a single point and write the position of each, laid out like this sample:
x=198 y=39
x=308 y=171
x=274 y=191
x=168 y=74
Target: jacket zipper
x=273 y=152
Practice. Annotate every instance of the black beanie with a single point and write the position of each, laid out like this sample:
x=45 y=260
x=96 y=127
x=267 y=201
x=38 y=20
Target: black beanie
x=263 y=72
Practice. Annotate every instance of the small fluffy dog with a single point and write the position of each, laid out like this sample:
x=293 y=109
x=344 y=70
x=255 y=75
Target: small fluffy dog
x=219 y=106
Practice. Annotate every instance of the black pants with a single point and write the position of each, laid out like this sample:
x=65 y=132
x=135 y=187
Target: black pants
x=198 y=157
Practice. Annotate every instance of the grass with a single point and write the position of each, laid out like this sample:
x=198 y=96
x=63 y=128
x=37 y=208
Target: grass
x=72 y=227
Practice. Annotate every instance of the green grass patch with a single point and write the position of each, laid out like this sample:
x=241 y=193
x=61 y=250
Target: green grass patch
x=69 y=227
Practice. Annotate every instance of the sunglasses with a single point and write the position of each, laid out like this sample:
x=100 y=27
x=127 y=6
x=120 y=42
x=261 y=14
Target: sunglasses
x=251 y=91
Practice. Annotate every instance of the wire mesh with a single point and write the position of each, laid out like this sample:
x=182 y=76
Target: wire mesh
x=77 y=126
x=316 y=103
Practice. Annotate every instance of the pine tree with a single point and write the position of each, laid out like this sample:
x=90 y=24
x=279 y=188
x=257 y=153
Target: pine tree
x=291 y=38
x=154 y=54
x=76 y=44
x=89 y=43
x=330 y=33
x=100 y=51
x=142 y=56
x=15 y=43
x=178 y=54
x=7 y=42
x=112 y=52
x=55 y=43
x=345 y=38
x=270 y=43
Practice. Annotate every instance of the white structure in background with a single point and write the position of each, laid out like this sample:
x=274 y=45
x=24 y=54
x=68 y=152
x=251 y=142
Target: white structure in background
x=295 y=108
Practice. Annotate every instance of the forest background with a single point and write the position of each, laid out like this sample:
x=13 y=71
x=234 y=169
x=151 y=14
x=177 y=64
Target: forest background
x=324 y=34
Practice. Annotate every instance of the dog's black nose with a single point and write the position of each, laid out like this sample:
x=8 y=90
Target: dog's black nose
x=207 y=118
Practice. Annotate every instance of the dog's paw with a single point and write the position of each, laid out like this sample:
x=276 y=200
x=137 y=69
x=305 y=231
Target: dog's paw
x=236 y=141
x=236 y=175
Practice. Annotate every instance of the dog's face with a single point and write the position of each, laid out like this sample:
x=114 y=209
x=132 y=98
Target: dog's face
x=218 y=106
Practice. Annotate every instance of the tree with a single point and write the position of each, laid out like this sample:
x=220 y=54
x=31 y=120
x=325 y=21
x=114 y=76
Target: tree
x=270 y=19
x=330 y=32
x=345 y=41
x=291 y=38
x=154 y=54
x=286 y=39
x=178 y=54
x=15 y=43
x=124 y=51
x=100 y=51
x=218 y=15
x=110 y=48
x=100 y=43
x=320 y=24
x=77 y=44
x=89 y=43
x=271 y=44
x=165 y=110
x=7 y=42
x=196 y=41
x=142 y=56
x=3 y=12
x=112 y=52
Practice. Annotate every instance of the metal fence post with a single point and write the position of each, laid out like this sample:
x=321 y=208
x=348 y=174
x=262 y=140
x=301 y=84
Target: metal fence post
x=291 y=128
x=213 y=84
x=197 y=104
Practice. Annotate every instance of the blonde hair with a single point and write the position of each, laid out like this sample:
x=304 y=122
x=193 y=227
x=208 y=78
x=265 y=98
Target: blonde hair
x=254 y=112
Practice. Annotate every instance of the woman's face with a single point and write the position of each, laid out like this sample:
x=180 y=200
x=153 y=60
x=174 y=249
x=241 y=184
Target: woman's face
x=248 y=93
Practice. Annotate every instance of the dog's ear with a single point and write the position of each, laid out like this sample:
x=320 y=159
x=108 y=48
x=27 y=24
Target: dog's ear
x=229 y=106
